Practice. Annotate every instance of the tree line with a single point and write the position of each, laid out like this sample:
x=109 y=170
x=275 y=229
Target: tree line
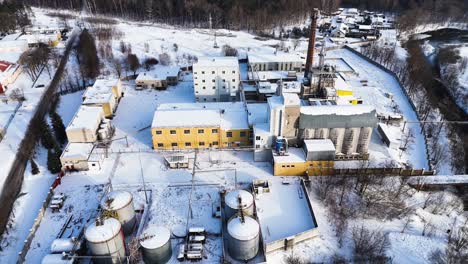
x=13 y=15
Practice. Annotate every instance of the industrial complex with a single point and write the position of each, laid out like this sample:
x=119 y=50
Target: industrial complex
x=210 y=162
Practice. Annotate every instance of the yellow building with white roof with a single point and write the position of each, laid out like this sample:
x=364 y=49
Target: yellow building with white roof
x=105 y=93
x=208 y=125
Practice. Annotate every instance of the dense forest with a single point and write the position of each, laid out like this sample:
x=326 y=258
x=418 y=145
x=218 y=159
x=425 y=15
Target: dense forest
x=13 y=15
x=247 y=14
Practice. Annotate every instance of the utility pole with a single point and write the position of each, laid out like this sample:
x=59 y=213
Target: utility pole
x=142 y=177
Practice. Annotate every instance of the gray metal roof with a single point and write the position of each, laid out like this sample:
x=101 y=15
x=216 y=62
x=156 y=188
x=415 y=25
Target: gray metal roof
x=338 y=120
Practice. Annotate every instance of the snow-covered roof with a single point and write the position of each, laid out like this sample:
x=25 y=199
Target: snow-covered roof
x=232 y=199
x=243 y=230
x=100 y=92
x=154 y=237
x=99 y=233
x=217 y=62
x=227 y=115
x=291 y=87
x=294 y=155
x=262 y=129
x=342 y=85
x=97 y=98
x=257 y=113
x=10 y=45
x=319 y=145
x=343 y=110
x=77 y=151
x=269 y=75
x=87 y=117
x=284 y=200
x=186 y=118
x=291 y=99
x=159 y=73
x=258 y=57
x=105 y=83
x=13 y=36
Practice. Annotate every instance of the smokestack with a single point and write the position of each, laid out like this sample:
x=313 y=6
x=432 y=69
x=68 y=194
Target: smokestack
x=310 y=50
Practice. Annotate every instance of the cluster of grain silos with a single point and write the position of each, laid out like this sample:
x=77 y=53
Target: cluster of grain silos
x=105 y=241
x=119 y=204
x=156 y=245
x=242 y=229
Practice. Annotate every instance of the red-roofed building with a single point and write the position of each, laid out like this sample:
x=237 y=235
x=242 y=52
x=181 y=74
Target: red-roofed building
x=8 y=74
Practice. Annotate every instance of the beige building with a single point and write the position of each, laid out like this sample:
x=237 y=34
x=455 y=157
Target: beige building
x=159 y=78
x=80 y=156
x=85 y=124
x=105 y=93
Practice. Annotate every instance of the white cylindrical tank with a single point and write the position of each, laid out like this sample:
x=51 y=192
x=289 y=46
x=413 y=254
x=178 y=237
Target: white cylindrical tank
x=105 y=238
x=337 y=136
x=238 y=200
x=156 y=245
x=121 y=202
x=364 y=140
x=102 y=134
x=56 y=259
x=244 y=237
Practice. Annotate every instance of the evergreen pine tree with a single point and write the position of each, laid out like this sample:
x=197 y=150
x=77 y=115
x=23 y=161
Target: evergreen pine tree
x=53 y=160
x=34 y=167
x=59 y=128
x=47 y=140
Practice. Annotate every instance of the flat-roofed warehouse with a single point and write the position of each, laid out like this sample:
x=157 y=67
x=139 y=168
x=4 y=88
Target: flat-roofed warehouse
x=200 y=125
x=275 y=62
x=85 y=124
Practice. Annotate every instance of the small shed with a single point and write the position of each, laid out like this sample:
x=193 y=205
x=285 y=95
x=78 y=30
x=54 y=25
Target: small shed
x=80 y=156
x=319 y=149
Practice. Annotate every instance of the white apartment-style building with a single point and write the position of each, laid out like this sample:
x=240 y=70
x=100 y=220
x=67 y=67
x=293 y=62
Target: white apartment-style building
x=216 y=79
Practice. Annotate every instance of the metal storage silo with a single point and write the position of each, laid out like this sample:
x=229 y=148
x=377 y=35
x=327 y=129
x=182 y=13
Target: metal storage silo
x=364 y=140
x=105 y=238
x=244 y=237
x=337 y=136
x=351 y=139
x=238 y=200
x=156 y=245
x=119 y=204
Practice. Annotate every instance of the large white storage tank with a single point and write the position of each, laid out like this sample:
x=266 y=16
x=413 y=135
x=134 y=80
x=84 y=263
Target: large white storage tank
x=244 y=237
x=156 y=245
x=105 y=238
x=121 y=203
x=238 y=200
